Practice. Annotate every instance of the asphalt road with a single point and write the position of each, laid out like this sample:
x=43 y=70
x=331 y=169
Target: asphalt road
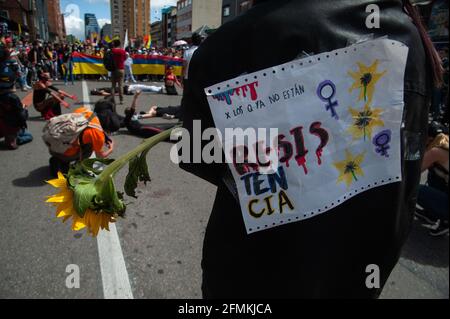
x=161 y=237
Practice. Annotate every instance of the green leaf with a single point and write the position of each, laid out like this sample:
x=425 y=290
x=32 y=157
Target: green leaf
x=84 y=193
x=88 y=164
x=138 y=171
x=109 y=199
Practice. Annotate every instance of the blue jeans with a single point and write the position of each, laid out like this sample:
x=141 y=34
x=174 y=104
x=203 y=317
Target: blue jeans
x=69 y=72
x=24 y=137
x=129 y=74
x=434 y=201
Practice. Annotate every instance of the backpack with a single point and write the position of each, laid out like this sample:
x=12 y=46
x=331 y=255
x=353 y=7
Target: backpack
x=63 y=130
x=9 y=73
x=108 y=61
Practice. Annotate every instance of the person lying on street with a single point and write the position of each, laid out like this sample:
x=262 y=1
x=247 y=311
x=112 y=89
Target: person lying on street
x=132 y=120
x=129 y=89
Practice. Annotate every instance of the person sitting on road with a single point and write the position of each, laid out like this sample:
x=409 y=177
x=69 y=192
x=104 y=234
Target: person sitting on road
x=170 y=80
x=49 y=106
x=92 y=139
x=13 y=114
x=433 y=197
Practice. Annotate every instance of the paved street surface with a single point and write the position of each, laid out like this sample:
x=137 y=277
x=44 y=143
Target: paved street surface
x=160 y=240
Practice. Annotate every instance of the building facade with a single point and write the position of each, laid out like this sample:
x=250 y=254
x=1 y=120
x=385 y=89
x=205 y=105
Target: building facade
x=20 y=12
x=38 y=19
x=56 y=25
x=131 y=15
x=194 y=14
x=91 y=27
x=156 y=34
x=233 y=8
x=139 y=21
x=106 y=30
x=169 y=26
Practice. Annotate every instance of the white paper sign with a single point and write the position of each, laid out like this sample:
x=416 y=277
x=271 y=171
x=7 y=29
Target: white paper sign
x=338 y=116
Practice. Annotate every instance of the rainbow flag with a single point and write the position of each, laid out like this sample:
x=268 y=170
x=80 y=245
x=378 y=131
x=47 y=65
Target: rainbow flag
x=147 y=41
x=142 y=64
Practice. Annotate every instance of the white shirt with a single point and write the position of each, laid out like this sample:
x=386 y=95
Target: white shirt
x=128 y=61
x=187 y=56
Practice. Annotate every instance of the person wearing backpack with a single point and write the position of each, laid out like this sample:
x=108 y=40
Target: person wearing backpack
x=119 y=56
x=13 y=114
x=75 y=136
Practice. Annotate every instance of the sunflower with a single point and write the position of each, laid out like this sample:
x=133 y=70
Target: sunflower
x=63 y=201
x=365 y=80
x=364 y=121
x=350 y=167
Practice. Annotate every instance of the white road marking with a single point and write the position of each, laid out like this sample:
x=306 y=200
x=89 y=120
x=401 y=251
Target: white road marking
x=116 y=283
x=86 y=95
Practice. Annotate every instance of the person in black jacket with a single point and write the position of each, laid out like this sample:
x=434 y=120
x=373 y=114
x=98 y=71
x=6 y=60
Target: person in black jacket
x=13 y=114
x=325 y=256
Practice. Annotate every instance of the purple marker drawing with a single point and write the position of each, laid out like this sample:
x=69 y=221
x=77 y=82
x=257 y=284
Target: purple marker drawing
x=330 y=106
x=381 y=142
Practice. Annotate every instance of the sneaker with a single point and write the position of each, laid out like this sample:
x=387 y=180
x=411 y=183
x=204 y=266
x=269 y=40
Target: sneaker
x=441 y=230
x=424 y=216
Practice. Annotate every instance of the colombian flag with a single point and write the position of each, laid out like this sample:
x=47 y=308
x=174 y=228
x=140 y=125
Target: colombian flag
x=155 y=64
x=87 y=64
x=142 y=64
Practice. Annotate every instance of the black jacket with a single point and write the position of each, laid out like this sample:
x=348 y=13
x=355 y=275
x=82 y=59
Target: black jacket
x=325 y=256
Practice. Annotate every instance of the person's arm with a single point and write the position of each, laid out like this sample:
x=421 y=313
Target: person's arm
x=63 y=93
x=135 y=98
x=103 y=154
x=432 y=156
x=58 y=98
x=98 y=139
x=177 y=81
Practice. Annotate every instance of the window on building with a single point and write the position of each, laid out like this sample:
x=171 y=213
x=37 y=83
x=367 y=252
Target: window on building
x=189 y=2
x=226 y=11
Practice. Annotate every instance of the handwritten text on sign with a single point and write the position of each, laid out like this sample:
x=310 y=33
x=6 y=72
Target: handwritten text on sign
x=338 y=116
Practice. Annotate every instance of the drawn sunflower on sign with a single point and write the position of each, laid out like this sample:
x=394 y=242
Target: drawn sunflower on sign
x=350 y=167
x=364 y=121
x=365 y=79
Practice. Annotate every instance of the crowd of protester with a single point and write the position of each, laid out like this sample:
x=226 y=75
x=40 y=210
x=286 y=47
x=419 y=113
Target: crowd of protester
x=56 y=59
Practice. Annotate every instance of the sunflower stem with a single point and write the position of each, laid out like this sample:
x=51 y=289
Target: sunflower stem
x=354 y=176
x=119 y=163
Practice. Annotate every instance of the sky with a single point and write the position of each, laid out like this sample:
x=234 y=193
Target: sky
x=75 y=10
